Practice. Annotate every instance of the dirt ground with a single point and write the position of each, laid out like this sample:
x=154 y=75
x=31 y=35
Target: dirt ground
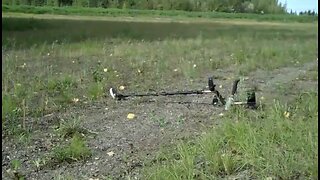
x=159 y=122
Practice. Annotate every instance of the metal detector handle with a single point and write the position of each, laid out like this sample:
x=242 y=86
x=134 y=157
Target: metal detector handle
x=211 y=85
x=235 y=86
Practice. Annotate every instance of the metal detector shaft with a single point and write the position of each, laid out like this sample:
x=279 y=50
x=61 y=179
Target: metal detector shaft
x=114 y=94
x=166 y=93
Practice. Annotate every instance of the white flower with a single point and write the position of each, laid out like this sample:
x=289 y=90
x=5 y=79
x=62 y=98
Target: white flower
x=75 y=100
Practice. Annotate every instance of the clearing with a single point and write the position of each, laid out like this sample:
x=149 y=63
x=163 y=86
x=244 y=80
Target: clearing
x=56 y=74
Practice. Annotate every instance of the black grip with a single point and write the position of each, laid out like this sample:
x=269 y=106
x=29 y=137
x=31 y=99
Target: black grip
x=235 y=86
x=211 y=84
x=251 y=99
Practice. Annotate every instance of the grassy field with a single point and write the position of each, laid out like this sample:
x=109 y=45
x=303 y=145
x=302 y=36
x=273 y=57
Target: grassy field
x=53 y=65
x=153 y=13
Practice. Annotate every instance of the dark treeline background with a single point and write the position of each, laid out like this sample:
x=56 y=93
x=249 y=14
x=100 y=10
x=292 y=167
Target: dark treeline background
x=242 y=6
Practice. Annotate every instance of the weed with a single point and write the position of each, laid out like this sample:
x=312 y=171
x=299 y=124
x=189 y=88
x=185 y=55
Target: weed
x=40 y=162
x=95 y=90
x=60 y=176
x=159 y=120
x=15 y=164
x=60 y=85
x=75 y=151
x=10 y=107
x=69 y=128
x=181 y=120
x=24 y=137
x=97 y=75
x=11 y=116
x=14 y=173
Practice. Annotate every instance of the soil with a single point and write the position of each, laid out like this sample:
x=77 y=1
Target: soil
x=160 y=122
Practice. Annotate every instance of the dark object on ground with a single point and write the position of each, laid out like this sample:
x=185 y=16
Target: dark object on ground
x=251 y=100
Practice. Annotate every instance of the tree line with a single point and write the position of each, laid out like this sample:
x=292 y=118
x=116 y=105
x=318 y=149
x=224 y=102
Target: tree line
x=230 y=6
x=309 y=13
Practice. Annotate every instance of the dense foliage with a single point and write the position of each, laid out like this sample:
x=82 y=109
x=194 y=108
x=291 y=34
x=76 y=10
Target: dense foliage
x=243 y=6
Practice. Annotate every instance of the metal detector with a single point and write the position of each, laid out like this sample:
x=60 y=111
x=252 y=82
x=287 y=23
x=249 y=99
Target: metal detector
x=217 y=97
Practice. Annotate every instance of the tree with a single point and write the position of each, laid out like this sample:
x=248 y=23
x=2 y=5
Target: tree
x=309 y=13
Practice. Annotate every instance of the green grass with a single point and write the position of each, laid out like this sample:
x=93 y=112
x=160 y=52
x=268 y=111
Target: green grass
x=76 y=150
x=154 y=13
x=73 y=148
x=251 y=145
x=14 y=171
x=69 y=127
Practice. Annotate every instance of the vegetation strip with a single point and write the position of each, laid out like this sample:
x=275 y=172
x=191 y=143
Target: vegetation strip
x=155 y=13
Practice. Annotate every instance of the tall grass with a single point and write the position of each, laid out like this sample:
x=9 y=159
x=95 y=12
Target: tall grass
x=251 y=145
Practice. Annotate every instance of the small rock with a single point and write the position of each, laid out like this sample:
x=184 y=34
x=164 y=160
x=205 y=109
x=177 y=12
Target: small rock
x=131 y=116
x=111 y=153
